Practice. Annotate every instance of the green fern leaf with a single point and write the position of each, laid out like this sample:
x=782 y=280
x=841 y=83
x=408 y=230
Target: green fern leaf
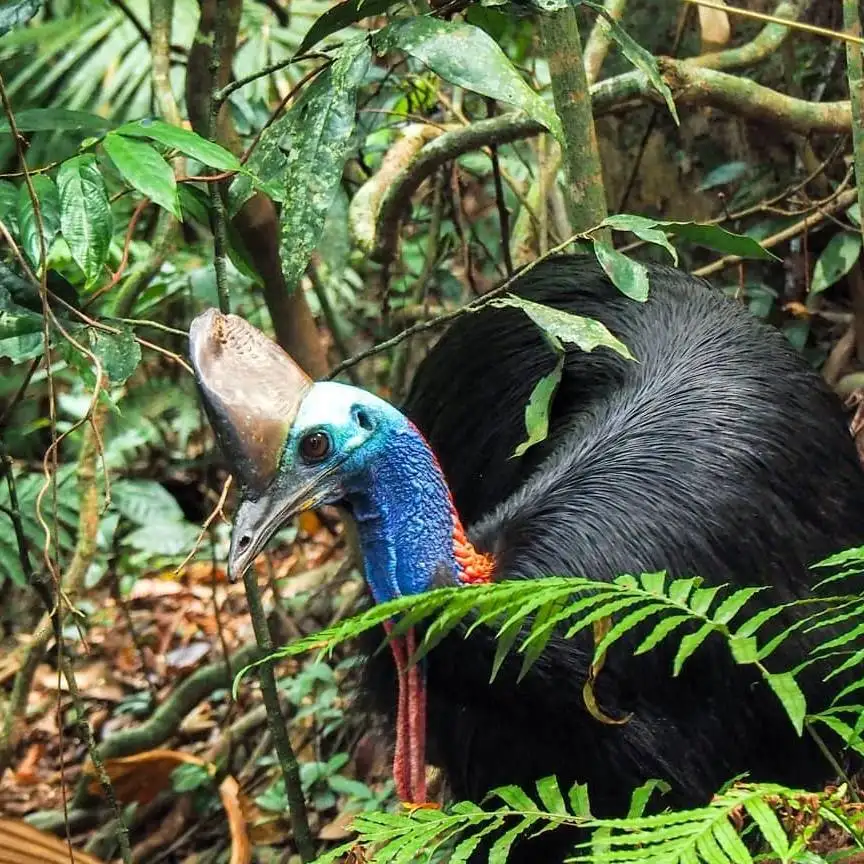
x=769 y=825
x=501 y=847
x=550 y=794
x=664 y=627
x=789 y=693
x=688 y=645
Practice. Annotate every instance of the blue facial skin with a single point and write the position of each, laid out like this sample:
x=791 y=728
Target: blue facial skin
x=379 y=464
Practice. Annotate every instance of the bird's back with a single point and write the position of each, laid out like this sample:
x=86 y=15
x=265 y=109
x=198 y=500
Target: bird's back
x=718 y=453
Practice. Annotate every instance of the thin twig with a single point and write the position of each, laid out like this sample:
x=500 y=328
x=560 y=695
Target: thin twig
x=773 y=19
x=219 y=96
x=446 y=318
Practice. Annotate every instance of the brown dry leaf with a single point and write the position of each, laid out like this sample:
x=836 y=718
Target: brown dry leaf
x=94 y=680
x=22 y=844
x=339 y=828
x=186 y=657
x=141 y=777
x=241 y=848
x=203 y=572
x=715 y=27
x=25 y=774
x=150 y=589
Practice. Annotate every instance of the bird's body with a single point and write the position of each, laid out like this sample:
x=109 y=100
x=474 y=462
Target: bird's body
x=718 y=453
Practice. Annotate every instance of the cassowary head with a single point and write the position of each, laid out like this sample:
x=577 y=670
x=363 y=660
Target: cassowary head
x=295 y=445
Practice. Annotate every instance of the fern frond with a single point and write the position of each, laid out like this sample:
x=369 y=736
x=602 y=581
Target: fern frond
x=707 y=834
x=411 y=836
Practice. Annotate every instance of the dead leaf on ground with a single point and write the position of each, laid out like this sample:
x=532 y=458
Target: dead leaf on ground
x=186 y=657
x=26 y=774
x=339 y=828
x=241 y=848
x=141 y=777
x=23 y=844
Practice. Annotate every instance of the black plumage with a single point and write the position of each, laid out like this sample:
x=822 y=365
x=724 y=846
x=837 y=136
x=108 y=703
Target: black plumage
x=719 y=453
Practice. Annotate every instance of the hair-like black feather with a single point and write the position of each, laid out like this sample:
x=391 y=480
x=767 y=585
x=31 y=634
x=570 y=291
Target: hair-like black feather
x=719 y=453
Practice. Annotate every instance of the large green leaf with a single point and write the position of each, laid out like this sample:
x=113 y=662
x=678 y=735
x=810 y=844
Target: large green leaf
x=585 y=333
x=341 y=15
x=57 y=120
x=85 y=214
x=20 y=330
x=629 y=276
x=719 y=239
x=318 y=138
x=837 y=259
x=468 y=57
x=28 y=224
x=17 y=13
x=144 y=169
x=184 y=140
x=557 y=327
x=119 y=353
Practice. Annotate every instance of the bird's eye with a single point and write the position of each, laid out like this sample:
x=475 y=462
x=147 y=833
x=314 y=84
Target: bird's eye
x=315 y=446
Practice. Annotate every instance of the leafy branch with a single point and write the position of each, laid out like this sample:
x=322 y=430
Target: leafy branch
x=537 y=609
x=709 y=833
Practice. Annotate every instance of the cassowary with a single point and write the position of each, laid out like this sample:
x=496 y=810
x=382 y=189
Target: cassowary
x=718 y=453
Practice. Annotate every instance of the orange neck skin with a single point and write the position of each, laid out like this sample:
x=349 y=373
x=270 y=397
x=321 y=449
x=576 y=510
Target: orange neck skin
x=473 y=567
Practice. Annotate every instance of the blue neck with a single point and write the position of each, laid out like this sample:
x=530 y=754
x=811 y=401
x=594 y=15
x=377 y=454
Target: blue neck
x=404 y=517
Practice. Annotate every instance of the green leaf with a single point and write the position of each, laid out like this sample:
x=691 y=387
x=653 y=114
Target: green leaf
x=145 y=170
x=769 y=825
x=729 y=172
x=17 y=13
x=629 y=277
x=585 y=333
x=550 y=794
x=786 y=689
x=9 y=205
x=836 y=260
x=665 y=626
x=85 y=214
x=57 y=120
x=339 y=16
x=145 y=502
x=688 y=645
x=537 y=409
x=514 y=797
x=643 y=60
x=320 y=132
x=641 y=795
x=187 y=142
x=719 y=239
x=731 y=606
x=119 y=353
x=644 y=228
x=467 y=57
x=28 y=226
x=578 y=797
x=20 y=330
x=745 y=649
